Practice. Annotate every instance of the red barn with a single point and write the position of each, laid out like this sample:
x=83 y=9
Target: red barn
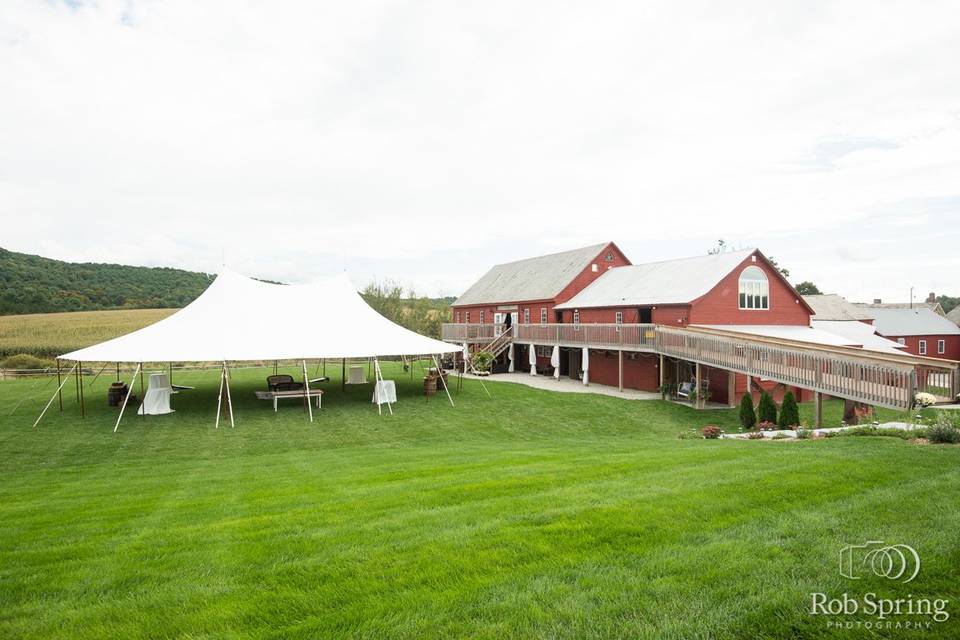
x=922 y=331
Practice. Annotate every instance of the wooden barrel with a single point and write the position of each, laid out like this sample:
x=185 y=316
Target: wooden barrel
x=429 y=386
x=115 y=394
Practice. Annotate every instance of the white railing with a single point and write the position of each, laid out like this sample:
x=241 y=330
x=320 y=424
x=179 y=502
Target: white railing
x=466 y=332
x=883 y=379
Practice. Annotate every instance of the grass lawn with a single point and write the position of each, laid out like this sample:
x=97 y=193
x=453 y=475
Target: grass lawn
x=533 y=514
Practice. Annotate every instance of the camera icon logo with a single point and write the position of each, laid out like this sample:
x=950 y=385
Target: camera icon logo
x=895 y=562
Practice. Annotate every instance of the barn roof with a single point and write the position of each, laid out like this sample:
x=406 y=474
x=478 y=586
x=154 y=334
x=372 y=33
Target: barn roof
x=936 y=307
x=911 y=322
x=666 y=282
x=833 y=307
x=539 y=278
x=954 y=315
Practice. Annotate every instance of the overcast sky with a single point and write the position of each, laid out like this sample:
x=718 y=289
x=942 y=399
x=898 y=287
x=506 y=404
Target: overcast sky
x=424 y=142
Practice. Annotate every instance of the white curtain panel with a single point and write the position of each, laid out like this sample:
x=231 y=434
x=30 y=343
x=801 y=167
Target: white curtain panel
x=555 y=362
x=586 y=366
x=510 y=358
x=533 y=360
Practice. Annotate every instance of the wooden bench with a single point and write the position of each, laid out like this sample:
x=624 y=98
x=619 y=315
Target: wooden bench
x=278 y=395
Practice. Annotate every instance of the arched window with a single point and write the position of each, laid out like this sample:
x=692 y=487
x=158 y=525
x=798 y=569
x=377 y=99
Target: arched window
x=754 y=289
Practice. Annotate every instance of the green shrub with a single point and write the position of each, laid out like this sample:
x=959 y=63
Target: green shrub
x=755 y=435
x=943 y=431
x=779 y=436
x=789 y=411
x=692 y=434
x=766 y=408
x=804 y=434
x=748 y=417
x=482 y=360
x=25 y=361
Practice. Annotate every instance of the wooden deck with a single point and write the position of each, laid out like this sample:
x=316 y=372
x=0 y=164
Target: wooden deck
x=888 y=380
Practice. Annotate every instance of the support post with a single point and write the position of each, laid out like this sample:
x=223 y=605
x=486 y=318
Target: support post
x=343 y=374
x=54 y=396
x=444 y=382
x=125 y=399
x=731 y=389
x=102 y=369
x=226 y=376
x=306 y=391
x=59 y=387
x=697 y=387
x=142 y=397
x=817 y=409
x=216 y=425
x=118 y=372
x=661 y=373
x=83 y=407
x=620 y=368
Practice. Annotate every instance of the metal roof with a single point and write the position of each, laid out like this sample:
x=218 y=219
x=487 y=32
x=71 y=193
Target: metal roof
x=666 y=282
x=954 y=315
x=936 y=307
x=539 y=278
x=858 y=334
x=833 y=307
x=911 y=322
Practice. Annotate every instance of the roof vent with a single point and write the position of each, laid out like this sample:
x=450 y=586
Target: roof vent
x=593 y=267
x=877 y=301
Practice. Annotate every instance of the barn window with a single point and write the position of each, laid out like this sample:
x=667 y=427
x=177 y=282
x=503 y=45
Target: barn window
x=467 y=317
x=576 y=321
x=754 y=289
x=543 y=315
x=458 y=317
x=619 y=317
x=941 y=346
x=923 y=347
x=526 y=316
x=901 y=341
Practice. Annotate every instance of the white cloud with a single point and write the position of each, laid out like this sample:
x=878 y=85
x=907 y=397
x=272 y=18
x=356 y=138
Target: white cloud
x=425 y=141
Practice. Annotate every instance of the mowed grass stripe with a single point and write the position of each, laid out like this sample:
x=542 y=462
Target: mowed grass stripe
x=533 y=514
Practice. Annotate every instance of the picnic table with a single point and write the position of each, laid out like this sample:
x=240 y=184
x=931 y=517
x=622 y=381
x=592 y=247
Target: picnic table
x=293 y=393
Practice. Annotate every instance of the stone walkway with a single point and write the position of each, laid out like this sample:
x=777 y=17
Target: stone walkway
x=566 y=385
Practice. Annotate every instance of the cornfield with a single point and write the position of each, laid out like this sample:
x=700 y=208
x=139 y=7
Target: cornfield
x=50 y=334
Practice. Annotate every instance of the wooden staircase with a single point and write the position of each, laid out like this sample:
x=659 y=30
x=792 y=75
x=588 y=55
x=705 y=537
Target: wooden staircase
x=495 y=347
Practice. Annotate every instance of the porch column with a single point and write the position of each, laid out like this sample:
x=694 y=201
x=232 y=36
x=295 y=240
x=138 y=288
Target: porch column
x=697 y=387
x=620 y=368
x=661 y=370
x=817 y=409
x=731 y=389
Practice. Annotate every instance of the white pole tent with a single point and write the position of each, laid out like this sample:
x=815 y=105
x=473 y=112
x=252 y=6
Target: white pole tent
x=239 y=319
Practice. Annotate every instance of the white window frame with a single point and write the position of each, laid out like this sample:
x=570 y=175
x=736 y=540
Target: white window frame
x=576 y=320
x=941 y=347
x=458 y=317
x=753 y=290
x=902 y=341
x=466 y=317
x=481 y=316
x=922 y=349
x=526 y=315
x=543 y=315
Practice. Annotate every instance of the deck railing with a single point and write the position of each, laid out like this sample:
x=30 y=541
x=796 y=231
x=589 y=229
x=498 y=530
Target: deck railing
x=889 y=380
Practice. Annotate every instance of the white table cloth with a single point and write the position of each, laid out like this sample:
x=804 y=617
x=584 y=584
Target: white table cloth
x=356 y=375
x=156 y=402
x=387 y=390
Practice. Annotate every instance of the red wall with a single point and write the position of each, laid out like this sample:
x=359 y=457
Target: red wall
x=574 y=287
x=913 y=345
x=721 y=304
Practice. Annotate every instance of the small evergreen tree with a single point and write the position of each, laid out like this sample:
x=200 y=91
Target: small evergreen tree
x=767 y=408
x=748 y=418
x=789 y=411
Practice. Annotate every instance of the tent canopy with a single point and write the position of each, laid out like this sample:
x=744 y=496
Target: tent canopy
x=238 y=318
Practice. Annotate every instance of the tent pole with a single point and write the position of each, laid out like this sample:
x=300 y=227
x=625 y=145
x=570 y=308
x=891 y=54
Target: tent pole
x=118 y=372
x=143 y=414
x=306 y=391
x=59 y=386
x=343 y=374
x=170 y=374
x=226 y=375
x=83 y=407
x=377 y=372
x=76 y=379
x=54 y=396
x=125 y=398
x=324 y=367
x=440 y=373
x=216 y=425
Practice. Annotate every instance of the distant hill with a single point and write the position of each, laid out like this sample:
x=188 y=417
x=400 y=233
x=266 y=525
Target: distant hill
x=33 y=284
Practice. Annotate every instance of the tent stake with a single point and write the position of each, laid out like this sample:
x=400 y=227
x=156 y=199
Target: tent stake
x=440 y=373
x=125 y=398
x=306 y=391
x=54 y=396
